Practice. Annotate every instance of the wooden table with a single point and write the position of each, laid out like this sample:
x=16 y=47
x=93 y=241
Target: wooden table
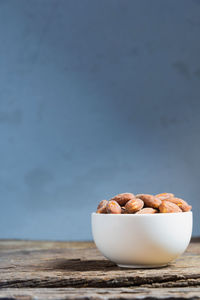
x=76 y=270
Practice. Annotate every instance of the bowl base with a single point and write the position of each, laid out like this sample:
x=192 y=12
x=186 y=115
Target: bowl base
x=142 y=266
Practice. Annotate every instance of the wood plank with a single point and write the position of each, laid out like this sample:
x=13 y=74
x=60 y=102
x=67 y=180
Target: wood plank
x=100 y=294
x=33 y=264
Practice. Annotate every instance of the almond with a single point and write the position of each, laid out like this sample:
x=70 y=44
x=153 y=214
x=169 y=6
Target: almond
x=147 y=210
x=169 y=207
x=150 y=200
x=122 y=199
x=113 y=207
x=184 y=206
x=123 y=210
x=164 y=196
x=101 y=208
x=138 y=195
x=134 y=205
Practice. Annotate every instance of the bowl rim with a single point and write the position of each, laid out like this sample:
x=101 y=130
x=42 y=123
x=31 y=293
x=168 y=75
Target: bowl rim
x=144 y=215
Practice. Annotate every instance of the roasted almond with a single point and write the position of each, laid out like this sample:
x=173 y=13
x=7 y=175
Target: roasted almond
x=164 y=196
x=150 y=200
x=134 y=205
x=122 y=199
x=101 y=208
x=147 y=210
x=123 y=210
x=113 y=207
x=169 y=207
x=138 y=195
x=184 y=206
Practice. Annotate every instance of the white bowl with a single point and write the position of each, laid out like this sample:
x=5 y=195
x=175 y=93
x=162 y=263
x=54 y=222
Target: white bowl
x=142 y=241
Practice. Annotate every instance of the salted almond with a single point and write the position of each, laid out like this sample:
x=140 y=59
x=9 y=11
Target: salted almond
x=147 y=210
x=169 y=207
x=134 y=205
x=101 y=208
x=113 y=207
x=184 y=206
x=122 y=199
x=150 y=200
x=164 y=196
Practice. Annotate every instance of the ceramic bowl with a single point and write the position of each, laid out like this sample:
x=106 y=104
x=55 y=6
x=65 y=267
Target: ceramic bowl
x=142 y=241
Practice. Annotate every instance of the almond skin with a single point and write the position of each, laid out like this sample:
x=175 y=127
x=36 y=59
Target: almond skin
x=184 y=206
x=123 y=210
x=147 y=210
x=134 y=205
x=101 y=208
x=113 y=207
x=164 y=196
x=169 y=207
x=122 y=199
x=150 y=200
x=138 y=195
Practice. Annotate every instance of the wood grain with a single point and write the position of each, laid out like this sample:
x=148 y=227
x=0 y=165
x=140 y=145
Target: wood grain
x=60 y=270
x=59 y=264
x=100 y=294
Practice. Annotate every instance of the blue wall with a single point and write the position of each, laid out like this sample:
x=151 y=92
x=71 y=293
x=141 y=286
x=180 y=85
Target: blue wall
x=96 y=98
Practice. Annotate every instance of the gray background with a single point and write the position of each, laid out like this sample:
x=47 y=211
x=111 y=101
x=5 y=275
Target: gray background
x=96 y=98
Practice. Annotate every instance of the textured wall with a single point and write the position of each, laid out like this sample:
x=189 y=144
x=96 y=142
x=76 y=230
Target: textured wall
x=96 y=98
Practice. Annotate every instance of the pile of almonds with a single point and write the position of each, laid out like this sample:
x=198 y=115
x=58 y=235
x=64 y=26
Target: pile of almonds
x=128 y=203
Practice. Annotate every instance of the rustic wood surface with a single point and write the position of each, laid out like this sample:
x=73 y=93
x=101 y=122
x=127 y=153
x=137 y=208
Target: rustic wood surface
x=76 y=270
x=100 y=293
